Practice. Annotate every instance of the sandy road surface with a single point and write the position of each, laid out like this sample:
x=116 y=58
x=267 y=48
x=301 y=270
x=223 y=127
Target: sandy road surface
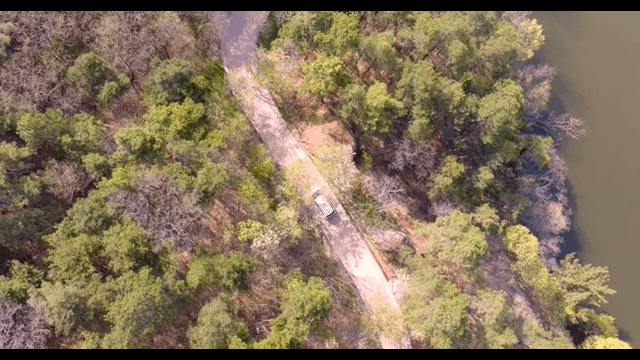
x=238 y=47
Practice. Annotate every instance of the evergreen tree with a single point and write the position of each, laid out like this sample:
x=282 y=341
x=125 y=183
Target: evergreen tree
x=455 y=240
x=582 y=286
x=217 y=328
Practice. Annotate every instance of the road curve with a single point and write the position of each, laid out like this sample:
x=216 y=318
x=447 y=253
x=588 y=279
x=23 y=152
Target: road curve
x=239 y=40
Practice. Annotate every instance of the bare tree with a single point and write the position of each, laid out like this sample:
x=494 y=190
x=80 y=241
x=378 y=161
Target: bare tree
x=421 y=158
x=336 y=165
x=174 y=37
x=208 y=27
x=21 y=327
x=44 y=43
x=66 y=180
x=444 y=206
x=549 y=214
x=557 y=126
x=126 y=41
x=384 y=188
x=164 y=210
x=536 y=84
x=516 y=17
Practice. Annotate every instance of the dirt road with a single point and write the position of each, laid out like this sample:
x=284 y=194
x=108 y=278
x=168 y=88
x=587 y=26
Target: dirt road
x=238 y=48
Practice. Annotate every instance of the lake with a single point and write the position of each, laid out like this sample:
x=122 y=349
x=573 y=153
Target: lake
x=598 y=80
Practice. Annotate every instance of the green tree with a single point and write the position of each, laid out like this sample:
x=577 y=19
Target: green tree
x=305 y=303
x=253 y=194
x=172 y=80
x=24 y=278
x=352 y=106
x=496 y=323
x=99 y=166
x=537 y=337
x=337 y=166
x=539 y=149
x=439 y=317
x=87 y=134
x=127 y=246
x=218 y=269
x=250 y=229
x=381 y=108
x=284 y=230
x=97 y=79
x=4 y=181
x=323 y=76
x=601 y=342
x=487 y=218
x=300 y=26
x=261 y=165
x=90 y=215
x=43 y=130
x=455 y=240
x=64 y=305
x=343 y=35
x=13 y=156
x=431 y=30
x=426 y=93
x=184 y=176
x=138 y=141
x=141 y=304
x=445 y=179
x=90 y=340
x=524 y=249
x=178 y=120
x=210 y=176
x=582 y=286
x=378 y=48
x=531 y=38
x=501 y=49
x=74 y=259
x=434 y=308
x=216 y=327
x=599 y=323
x=501 y=111
x=18 y=229
x=483 y=177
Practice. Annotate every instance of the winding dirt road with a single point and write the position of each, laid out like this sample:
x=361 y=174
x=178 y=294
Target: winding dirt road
x=238 y=49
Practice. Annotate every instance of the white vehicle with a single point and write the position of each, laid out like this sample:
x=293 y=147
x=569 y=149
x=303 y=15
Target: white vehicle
x=324 y=206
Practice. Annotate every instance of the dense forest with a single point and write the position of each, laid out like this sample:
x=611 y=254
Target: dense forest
x=139 y=209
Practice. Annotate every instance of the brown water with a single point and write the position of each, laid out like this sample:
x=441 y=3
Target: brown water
x=598 y=80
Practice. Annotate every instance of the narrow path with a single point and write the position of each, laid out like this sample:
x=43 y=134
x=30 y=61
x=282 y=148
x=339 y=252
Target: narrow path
x=238 y=48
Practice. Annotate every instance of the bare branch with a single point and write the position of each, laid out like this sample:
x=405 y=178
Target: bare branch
x=165 y=211
x=549 y=214
x=384 y=188
x=21 y=327
x=66 y=180
x=422 y=158
x=516 y=17
x=558 y=126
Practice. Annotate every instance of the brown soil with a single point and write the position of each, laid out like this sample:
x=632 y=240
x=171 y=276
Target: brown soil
x=404 y=220
x=311 y=136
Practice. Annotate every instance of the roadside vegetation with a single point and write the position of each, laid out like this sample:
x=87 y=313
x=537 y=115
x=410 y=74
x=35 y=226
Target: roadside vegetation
x=452 y=172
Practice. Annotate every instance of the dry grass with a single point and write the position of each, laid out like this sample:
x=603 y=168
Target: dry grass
x=123 y=108
x=217 y=219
